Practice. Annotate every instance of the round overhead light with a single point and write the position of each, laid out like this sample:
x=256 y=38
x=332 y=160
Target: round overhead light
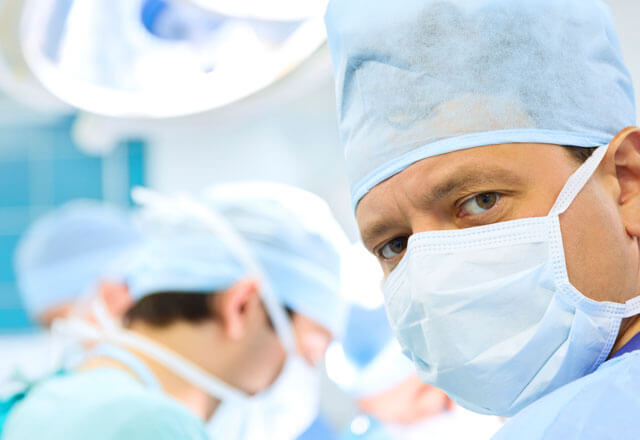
x=16 y=80
x=157 y=58
x=275 y=10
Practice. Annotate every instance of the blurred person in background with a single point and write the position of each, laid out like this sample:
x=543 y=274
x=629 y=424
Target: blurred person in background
x=234 y=302
x=70 y=253
x=65 y=257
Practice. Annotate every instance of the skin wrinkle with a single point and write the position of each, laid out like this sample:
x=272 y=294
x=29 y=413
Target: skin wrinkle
x=465 y=178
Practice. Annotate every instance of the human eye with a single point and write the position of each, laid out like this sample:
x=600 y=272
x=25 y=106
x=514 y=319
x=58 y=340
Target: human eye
x=479 y=204
x=392 y=248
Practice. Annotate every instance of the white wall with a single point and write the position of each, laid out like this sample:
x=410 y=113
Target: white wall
x=295 y=142
x=627 y=14
x=287 y=133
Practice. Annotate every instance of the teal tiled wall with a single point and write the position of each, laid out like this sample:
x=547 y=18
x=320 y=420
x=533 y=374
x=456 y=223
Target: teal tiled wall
x=41 y=168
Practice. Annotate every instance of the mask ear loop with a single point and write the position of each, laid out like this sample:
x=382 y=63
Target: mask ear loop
x=577 y=181
x=109 y=331
x=234 y=243
x=178 y=364
x=67 y=351
x=572 y=188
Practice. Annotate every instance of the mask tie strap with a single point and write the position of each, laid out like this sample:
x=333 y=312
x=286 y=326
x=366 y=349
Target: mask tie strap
x=131 y=361
x=577 y=181
x=176 y=363
x=109 y=331
x=632 y=307
x=111 y=334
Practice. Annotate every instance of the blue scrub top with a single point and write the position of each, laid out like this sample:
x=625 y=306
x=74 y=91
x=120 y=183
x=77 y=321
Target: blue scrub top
x=602 y=405
x=632 y=345
x=319 y=430
x=100 y=404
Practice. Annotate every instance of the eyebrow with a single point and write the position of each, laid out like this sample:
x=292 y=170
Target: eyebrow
x=377 y=229
x=463 y=178
x=467 y=177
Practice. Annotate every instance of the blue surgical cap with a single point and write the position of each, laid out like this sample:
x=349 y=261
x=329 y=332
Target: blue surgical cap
x=63 y=255
x=418 y=78
x=368 y=360
x=290 y=232
x=366 y=335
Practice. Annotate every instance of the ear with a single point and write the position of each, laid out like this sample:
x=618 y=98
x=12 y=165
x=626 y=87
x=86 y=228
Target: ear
x=116 y=298
x=625 y=149
x=237 y=307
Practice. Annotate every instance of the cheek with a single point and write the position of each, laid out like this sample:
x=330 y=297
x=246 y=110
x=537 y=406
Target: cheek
x=261 y=360
x=601 y=258
x=312 y=339
x=270 y=362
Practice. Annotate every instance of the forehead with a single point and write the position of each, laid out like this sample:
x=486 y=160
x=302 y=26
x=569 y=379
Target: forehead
x=436 y=176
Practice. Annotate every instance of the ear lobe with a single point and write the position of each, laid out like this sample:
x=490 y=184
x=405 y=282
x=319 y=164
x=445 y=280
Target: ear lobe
x=626 y=150
x=237 y=306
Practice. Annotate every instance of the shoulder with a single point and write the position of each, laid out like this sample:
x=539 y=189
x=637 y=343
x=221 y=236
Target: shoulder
x=157 y=417
x=137 y=412
x=102 y=405
x=601 y=405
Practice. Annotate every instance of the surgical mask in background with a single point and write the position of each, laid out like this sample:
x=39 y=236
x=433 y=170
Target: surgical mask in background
x=488 y=313
x=282 y=412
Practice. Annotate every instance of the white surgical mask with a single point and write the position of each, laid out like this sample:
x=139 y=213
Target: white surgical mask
x=283 y=411
x=488 y=313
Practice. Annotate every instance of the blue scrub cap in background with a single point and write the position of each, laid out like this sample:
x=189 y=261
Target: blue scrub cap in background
x=180 y=255
x=418 y=78
x=64 y=254
x=291 y=233
x=368 y=360
x=297 y=240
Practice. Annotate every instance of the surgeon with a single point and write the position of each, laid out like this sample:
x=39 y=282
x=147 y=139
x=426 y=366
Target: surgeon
x=215 y=344
x=495 y=174
x=70 y=253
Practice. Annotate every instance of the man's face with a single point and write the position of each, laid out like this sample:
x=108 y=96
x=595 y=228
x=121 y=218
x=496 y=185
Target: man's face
x=262 y=359
x=260 y=355
x=486 y=185
x=407 y=403
x=312 y=338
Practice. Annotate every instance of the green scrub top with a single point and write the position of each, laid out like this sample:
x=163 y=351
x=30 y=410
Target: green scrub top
x=100 y=404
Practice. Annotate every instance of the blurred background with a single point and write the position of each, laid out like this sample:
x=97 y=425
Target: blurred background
x=52 y=152
x=99 y=96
